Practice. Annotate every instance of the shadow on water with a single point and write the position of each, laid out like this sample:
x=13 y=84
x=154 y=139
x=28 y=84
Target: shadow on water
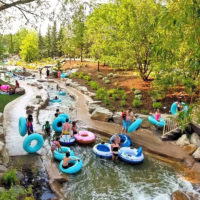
x=32 y=173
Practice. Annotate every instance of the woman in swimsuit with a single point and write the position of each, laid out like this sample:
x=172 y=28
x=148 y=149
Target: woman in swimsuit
x=115 y=149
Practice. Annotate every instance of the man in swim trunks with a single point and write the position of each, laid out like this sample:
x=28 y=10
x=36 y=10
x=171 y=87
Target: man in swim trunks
x=66 y=128
x=66 y=160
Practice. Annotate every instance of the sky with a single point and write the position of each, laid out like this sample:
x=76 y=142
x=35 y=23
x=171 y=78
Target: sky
x=17 y=20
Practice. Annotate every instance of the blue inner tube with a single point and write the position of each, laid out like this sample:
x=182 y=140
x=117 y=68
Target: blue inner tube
x=64 y=115
x=125 y=140
x=55 y=100
x=103 y=150
x=62 y=93
x=76 y=167
x=27 y=143
x=132 y=156
x=22 y=126
x=63 y=75
x=134 y=125
x=173 y=108
x=57 y=124
x=160 y=123
x=59 y=155
x=65 y=141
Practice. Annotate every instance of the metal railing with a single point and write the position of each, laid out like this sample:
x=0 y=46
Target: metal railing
x=171 y=125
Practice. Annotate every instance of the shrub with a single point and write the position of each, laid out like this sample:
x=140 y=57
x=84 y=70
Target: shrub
x=137 y=103
x=86 y=65
x=81 y=75
x=115 y=96
x=87 y=78
x=101 y=93
x=110 y=75
x=94 y=85
x=74 y=74
x=124 y=97
x=111 y=92
x=144 y=111
x=122 y=103
x=157 y=105
x=139 y=96
x=136 y=92
x=106 y=100
x=121 y=92
x=115 y=76
x=133 y=89
x=10 y=178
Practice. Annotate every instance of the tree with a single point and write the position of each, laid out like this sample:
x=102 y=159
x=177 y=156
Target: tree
x=54 y=39
x=48 y=42
x=29 y=47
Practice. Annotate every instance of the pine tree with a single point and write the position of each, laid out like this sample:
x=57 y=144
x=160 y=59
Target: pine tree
x=48 y=42
x=54 y=39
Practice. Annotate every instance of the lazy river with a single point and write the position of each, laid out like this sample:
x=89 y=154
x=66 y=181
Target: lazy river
x=103 y=179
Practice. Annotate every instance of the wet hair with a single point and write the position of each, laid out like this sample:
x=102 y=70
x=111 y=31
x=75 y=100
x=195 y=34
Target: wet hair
x=73 y=123
x=67 y=120
x=56 y=114
x=57 y=110
x=56 y=97
x=67 y=154
x=47 y=122
x=57 y=139
x=102 y=142
x=30 y=117
x=130 y=109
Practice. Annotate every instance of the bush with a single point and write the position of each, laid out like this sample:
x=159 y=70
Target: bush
x=137 y=103
x=121 y=92
x=106 y=100
x=101 y=93
x=104 y=78
x=10 y=178
x=111 y=92
x=81 y=75
x=139 y=96
x=136 y=92
x=110 y=75
x=145 y=112
x=87 y=78
x=94 y=85
x=115 y=96
x=124 y=97
x=157 y=105
x=86 y=65
x=74 y=74
x=115 y=76
x=122 y=103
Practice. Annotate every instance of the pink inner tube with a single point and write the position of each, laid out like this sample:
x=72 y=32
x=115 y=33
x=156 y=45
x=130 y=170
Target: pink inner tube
x=5 y=87
x=85 y=137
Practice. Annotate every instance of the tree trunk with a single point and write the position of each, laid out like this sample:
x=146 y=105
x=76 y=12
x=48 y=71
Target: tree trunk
x=81 y=54
x=98 y=68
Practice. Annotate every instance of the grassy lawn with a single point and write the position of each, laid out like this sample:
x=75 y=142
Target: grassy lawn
x=5 y=99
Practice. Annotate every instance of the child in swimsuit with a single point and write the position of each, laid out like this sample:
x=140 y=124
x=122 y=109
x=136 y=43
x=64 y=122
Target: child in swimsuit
x=30 y=124
x=157 y=115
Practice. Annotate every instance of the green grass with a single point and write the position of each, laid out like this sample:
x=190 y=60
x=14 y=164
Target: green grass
x=5 y=99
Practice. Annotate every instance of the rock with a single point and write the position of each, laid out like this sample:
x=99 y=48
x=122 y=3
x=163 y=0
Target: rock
x=20 y=175
x=101 y=114
x=104 y=78
x=146 y=124
x=110 y=75
x=91 y=94
x=74 y=84
x=38 y=97
x=1 y=132
x=117 y=117
x=196 y=167
x=178 y=195
x=136 y=92
x=172 y=135
x=29 y=111
x=68 y=82
x=20 y=91
x=40 y=87
x=99 y=76
x=82 y=88
x=107 y=81
x=1 y=146
x=92 y=107
x=195 y=139
x=189 y=161
x=3 y=169
x=183 y=140
x=190 y=148
x=115 y=76
x=196 y=154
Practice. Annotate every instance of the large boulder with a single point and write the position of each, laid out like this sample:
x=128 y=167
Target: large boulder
x=195 y=139
x=117 y=117
x=1 y=117
x=3 y=169
x=1 y=146
x=101 y=114
x=92 y=107
x=196 y=154
x=190 y=148
x=183 y=140
x=1 y=132
x=178 y=195
x=82 y=88
x=20 y=91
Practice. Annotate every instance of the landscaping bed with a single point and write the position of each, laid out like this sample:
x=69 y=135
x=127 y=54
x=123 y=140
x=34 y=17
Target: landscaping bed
x=123 y=89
